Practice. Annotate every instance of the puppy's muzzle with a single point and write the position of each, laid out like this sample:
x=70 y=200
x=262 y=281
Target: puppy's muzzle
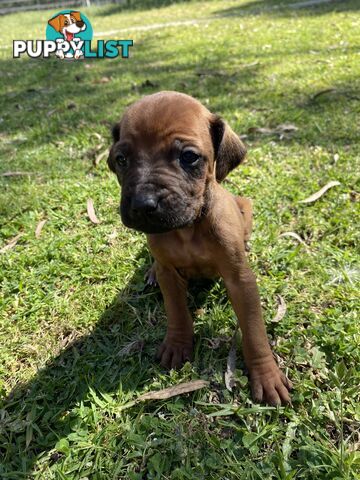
x=143 y=203
x=141 y=210
x=154 y=210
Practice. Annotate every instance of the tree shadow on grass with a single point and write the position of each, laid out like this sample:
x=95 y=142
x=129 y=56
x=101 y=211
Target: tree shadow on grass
x=288 y=8
x=50 y=102
x=116 y=357
x=47 y=101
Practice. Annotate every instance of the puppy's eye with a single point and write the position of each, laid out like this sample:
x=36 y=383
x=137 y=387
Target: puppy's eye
x=189 y=158
x=66 y=23
x=120 y=160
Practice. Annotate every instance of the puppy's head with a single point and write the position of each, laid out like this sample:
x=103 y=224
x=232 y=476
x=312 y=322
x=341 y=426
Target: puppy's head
x=167 y=153
x=68 y=24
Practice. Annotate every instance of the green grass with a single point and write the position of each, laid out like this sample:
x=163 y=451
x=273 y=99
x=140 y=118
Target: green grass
x=74 y=298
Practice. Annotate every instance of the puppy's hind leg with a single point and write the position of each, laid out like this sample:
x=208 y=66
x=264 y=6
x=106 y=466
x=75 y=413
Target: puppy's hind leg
x=245 y=207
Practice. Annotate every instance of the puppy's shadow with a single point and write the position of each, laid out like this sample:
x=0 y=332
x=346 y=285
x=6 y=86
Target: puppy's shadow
x=116 y=356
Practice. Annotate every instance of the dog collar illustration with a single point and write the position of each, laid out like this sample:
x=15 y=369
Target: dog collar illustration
x=68 y=36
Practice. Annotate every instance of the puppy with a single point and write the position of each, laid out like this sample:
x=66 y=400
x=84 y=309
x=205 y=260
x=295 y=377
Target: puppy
x=170 y=154
x=69 y=24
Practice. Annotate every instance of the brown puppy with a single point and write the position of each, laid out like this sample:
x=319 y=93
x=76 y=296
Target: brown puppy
x=169 y=155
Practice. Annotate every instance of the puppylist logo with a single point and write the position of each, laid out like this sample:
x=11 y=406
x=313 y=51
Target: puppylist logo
x=68 y=36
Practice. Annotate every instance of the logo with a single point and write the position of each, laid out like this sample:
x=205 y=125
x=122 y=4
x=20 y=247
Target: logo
x=68 y=36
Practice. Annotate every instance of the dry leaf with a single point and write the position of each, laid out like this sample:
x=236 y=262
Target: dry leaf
x=262 y=130
x=132 y=347
x=99 y=157
x=286 y=128
x=294 y=235
x=39 y=228
x=11 y=243
x=323 y=92
x=14 y=174
x=283 y=130
x=214 y=343
x=249 y=65
x=281 y=310
x=231 y=364
x=102 y=80
x=179 y=389
x=66 y=339
x=98 y=136
x=321 y=192
x=91 y=212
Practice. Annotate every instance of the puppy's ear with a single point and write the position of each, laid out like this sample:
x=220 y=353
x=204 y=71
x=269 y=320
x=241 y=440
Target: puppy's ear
x=76 y=15
x=229 y=150
x=116 y=132
x=116 y=137
x=55 y=23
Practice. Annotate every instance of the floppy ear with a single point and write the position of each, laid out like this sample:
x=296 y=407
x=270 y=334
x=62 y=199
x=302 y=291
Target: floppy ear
x=76 y=15
x=229 y=150
x=115 y=132
x=116 y=137
x=55 y=23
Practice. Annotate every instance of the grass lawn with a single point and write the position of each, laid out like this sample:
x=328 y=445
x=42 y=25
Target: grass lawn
x=78 y=328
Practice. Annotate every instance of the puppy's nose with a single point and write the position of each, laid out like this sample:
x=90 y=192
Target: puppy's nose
x=80 y=23
x=144 y=203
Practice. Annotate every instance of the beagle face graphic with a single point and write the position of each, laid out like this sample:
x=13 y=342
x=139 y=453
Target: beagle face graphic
x=68 y=24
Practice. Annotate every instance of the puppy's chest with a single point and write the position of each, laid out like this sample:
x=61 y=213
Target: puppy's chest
x=194 y=258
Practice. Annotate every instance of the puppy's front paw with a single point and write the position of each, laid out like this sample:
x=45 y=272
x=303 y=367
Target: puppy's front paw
x=173 y=355
x=269 y=384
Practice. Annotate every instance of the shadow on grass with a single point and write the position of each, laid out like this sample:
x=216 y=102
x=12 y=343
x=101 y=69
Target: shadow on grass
x=47 y=100
x=37 y=414
x=286 y=8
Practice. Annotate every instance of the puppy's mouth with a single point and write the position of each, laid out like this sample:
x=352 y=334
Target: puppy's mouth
x=155 y=225
x=161 y=220
x=161 y=228
x=69 y=36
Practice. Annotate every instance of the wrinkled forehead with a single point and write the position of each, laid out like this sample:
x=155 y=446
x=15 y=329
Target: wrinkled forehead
x=157 y=122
